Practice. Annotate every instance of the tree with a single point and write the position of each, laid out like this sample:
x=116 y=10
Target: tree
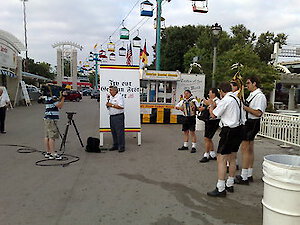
x=176 y=41
x=40 y=68
x=265 y=43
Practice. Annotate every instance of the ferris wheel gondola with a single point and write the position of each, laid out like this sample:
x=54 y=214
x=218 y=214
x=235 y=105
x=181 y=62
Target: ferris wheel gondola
x=200 y=6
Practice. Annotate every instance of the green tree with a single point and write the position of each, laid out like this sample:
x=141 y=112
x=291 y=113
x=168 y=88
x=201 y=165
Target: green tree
x=265 y=43
x=40 y=68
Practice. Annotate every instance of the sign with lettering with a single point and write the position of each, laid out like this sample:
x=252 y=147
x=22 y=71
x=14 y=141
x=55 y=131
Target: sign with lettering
x=8 y=56
x=193 y=82
x=126 y=78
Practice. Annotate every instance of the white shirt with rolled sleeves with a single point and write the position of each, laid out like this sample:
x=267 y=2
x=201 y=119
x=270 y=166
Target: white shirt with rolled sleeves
x=118 y=99
x=258 y=102
x=228 y=111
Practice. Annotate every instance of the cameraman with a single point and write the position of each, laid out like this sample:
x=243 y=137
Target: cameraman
x=52 y=105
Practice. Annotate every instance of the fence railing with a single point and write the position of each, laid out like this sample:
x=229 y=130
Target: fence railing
x=281 y=127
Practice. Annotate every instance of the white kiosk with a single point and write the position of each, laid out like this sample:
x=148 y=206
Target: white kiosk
x=127 y=79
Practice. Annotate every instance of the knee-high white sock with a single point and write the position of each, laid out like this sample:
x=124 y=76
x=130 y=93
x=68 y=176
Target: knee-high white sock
x=244 y=174
x=212 y=154
x=250 y=172
x=230 y=181
x=221 y=185
x=194 y=145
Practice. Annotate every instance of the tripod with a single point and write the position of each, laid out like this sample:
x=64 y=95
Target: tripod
x=64 y=138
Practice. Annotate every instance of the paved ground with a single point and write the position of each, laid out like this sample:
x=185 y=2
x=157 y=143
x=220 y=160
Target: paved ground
x=149 y=185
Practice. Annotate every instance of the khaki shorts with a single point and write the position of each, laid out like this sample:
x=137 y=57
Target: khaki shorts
x=50 y=129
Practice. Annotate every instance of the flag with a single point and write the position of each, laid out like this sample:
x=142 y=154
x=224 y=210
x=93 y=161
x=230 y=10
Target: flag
x=129 y=55
x=95 y=46
x=144 y=54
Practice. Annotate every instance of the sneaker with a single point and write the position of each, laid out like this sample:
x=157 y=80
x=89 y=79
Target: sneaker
x=239 y=180
x=204 y=160
x=51 y=156
x=47 y=155
x=193 y=150
x=183 y=148
x=58 y=157
x=229 y=189
x=216 y=193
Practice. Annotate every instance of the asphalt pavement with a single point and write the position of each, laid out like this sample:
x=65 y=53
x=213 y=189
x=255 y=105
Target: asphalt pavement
x=151 y=184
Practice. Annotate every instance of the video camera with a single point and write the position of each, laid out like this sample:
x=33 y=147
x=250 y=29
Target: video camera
x=51 y=90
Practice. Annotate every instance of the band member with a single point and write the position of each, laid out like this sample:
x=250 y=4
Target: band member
x=211 y=126
x=115 y=106
x=188 y=106
x=255 y=106
x=229 y=111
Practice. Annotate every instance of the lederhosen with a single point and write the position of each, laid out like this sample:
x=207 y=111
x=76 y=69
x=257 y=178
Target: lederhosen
x=211 y=126
x=231 y=138
x=252 y=126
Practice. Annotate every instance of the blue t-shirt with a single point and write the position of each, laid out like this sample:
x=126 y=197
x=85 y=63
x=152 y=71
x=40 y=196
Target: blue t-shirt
x=51 y=111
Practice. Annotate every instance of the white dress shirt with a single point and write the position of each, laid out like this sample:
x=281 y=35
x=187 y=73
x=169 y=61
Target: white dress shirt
x=4 y=100
x=258 y=102
x=229 y=111
x=118 y=99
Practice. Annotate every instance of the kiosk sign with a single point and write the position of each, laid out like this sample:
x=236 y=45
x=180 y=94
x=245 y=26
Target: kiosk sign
x=126 y=79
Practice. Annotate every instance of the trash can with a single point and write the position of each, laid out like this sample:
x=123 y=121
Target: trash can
x=281 y=200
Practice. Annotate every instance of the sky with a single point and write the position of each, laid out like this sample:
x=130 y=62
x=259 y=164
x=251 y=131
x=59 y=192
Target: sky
x=92 y=21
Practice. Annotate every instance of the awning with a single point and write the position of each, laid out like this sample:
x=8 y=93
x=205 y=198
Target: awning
x=34 y=76
x=8 y=73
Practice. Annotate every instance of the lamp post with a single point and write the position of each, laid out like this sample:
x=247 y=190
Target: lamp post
x=216 y=30
x=25 y=33
x=95 y=57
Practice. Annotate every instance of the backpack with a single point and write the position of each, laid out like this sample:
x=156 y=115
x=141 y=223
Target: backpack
x=93 y=145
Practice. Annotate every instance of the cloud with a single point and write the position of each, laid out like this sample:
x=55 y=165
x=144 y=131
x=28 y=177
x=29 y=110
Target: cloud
x=89 y=22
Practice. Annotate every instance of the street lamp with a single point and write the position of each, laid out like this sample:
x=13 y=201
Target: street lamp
x=25 y=31
x=95 y=57
x=216 y=29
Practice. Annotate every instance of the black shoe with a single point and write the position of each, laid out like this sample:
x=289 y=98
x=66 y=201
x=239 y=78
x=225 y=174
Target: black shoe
x=250 y=179
x=212 y=158
x=239 y=180
x=229 y=189
x=216 y=193
x=183 y=148
x=193 y=150
x=3 y=132
x=113 y=148
x=122 y=150
x=204 y=160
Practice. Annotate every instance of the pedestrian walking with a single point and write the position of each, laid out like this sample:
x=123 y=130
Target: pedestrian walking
x=4 y=102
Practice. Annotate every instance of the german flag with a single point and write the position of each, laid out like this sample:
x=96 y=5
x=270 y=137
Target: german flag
x=144 y=54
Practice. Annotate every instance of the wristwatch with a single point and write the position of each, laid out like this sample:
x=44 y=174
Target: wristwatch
x=112 y=105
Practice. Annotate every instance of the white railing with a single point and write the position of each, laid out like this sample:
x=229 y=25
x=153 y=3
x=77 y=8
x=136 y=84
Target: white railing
x=281 y=127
